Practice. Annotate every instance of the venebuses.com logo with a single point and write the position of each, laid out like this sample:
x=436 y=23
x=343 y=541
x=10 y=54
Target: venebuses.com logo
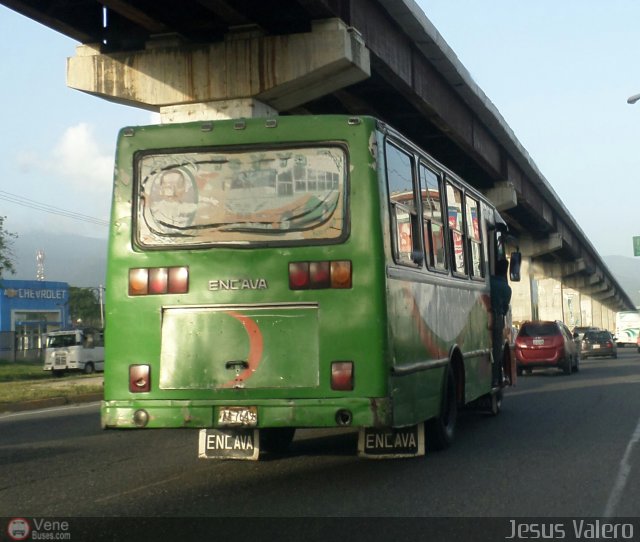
x=38 y=529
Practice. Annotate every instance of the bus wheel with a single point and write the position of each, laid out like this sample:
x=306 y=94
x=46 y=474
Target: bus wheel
x=88 y=368
x=276 y=439
x=441 y=429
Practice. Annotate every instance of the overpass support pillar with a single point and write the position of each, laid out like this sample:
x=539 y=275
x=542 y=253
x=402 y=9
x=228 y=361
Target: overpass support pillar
x=524 y=298
x=542 y=295
x=248 y=74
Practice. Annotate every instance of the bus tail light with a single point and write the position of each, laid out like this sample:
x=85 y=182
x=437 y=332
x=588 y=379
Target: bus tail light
x=139 y=378
x=158 y=280
x=342 y=375
x=299 y=275
x=138 y=281
x=341 y=274
x=320 y=275
x=178 y=280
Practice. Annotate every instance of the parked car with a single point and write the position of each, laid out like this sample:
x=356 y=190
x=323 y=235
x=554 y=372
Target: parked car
x=546 y=344
x=598 y=343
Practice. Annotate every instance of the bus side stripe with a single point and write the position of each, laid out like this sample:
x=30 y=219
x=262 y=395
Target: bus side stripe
x=419 y=366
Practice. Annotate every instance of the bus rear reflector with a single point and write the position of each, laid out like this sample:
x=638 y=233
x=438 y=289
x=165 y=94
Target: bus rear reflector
x=320 y=275
x=342 y=375
x=158 y=280
x=139 y=378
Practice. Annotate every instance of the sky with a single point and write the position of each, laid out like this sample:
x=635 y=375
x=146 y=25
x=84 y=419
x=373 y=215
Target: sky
x=559 y=72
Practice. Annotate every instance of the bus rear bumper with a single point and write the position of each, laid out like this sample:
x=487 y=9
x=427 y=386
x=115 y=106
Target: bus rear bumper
x=358 y=412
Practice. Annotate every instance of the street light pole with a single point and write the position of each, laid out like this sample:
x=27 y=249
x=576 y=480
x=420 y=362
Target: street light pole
x=633 y=99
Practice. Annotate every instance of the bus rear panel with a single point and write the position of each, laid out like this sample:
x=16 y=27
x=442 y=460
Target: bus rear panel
x=242 y=274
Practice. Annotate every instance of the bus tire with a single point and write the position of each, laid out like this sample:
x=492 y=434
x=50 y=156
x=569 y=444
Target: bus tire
x=88 y=368
x=441 y=429
x=276 y=439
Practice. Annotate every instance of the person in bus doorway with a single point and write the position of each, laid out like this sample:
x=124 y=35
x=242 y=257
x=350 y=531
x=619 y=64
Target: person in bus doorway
x=500 y=299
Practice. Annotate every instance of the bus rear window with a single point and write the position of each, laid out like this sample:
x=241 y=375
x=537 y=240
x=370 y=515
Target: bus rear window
x=248 y=196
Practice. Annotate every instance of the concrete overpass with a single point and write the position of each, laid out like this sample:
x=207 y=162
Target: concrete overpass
x=198 y=59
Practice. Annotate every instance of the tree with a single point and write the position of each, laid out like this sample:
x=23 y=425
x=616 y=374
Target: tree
x=6 y=253
x=84 y=306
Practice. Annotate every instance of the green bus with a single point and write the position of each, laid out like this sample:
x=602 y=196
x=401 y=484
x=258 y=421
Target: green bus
x=297 y=272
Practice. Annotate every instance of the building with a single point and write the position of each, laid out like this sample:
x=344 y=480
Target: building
x=28 y=309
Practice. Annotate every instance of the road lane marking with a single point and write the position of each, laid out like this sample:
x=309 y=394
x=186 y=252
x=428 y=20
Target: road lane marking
x=623 y=475
x=138 y=489
x=47 y=410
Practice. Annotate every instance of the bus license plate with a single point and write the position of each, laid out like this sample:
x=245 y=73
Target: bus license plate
x=391 y=443
x=238 y=416
x=229 y=444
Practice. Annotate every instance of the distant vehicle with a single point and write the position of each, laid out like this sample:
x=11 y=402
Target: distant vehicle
x=627 y=328
x=74 y=350
x=546 y=344
x=598 y=343
x=579 y=331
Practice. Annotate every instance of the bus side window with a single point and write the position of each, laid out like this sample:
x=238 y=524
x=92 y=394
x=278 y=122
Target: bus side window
x=432 y=219
x=474 y=237
x=403 y=206
x=456 y=225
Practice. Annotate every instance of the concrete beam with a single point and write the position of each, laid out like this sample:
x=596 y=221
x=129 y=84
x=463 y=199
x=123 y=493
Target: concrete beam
x=569 y=272
x=223 y=109
x=280 y=71
x=546 y=270
x=577 y=282
x=595 y=278
x=574 y=268
x=540 y=247
x=597 y=288
x=503 y=195
x=606 y=294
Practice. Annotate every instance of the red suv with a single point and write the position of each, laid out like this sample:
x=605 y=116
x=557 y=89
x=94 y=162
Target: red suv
x=546 y=344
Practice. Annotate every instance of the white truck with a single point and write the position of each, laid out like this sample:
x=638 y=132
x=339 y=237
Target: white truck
x=627 y=328
x=74 y=350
